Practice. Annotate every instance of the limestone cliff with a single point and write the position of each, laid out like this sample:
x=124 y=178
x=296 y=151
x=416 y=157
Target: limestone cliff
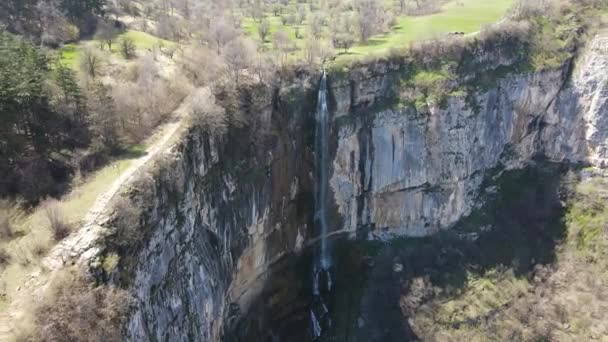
x=221 y=210
x=401 y=172
x=217 y=213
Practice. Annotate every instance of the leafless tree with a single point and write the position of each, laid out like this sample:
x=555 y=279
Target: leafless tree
x=239 y=54
x=127 y=47
x=90 y=62
x=106 y=34
x=264 y=30
x=206 y=112
x=220 y=33
x=315 y=25
x=369 y=20
x=282 y=44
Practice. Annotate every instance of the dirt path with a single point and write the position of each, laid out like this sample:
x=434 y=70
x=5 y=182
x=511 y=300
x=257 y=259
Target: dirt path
x=82 y=244
x=77 y=244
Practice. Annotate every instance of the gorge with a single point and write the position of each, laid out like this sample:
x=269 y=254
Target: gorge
x=235 y=229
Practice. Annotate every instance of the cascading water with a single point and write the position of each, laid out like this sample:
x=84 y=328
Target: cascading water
x=321 y=169
x=319 y=314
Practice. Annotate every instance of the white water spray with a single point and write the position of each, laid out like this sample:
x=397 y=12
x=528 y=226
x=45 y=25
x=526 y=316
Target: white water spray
x=321 y=170
x=319 y=314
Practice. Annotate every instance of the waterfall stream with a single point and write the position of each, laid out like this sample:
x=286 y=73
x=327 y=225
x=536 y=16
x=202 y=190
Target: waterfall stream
x=321 y=170
x=323 y=261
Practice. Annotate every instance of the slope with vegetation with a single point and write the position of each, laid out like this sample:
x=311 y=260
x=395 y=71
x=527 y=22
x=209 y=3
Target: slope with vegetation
x=534 y=291
x=83 y=88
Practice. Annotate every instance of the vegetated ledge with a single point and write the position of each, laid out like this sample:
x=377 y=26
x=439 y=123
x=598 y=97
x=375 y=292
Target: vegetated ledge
x=429 y=73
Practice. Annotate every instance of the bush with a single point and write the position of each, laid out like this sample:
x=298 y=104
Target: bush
x=127 y=47
x=5 y=258
x=74 y=309
x=57 y=223
x=91 y=62
x=127 y=223
x=6 y=229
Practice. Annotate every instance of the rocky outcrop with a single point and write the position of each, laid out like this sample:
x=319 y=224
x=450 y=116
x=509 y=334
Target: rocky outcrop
x=406 y=173
x=219 y=211
x=400 y=172
x=227 y=209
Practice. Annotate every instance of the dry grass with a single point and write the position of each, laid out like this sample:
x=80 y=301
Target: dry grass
x=563 y=302
x=73 y=308
x=59 y=226
x=30 y=236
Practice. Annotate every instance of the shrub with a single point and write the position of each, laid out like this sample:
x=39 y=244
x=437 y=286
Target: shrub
x=57 y=223
x=6 y=229
x=40 y=250
x=5 y=258
x=127 y=47
x=127 y=223
x=91 y=62
x=74 y=309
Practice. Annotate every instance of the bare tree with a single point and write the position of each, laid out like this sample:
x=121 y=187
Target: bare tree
x=127 y=47
x=315 y=25
x=106 y=34
x=220 y=33
x=206 y=112
x=282 y=43
x=239 y=54
x=316 y=51
x=201 y=65
x=263 y=30
x=103 y=120
x=90 y=62
x=343 y=41
x=369 y=20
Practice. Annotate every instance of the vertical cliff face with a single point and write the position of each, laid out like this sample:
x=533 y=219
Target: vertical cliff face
x=218 y=212
x=223 y=212
x=401 y=172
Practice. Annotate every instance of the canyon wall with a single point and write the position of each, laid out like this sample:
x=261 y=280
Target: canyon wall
x=399 y=172
x=220 y=210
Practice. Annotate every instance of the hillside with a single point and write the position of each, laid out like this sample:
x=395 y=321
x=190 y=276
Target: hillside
x=184 y=168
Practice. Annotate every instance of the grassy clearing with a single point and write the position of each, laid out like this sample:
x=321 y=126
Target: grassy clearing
x=466 y=16
x=562 y=300
x=32 y=236
x=587 y=217
x=250 y=26
x=70 y=53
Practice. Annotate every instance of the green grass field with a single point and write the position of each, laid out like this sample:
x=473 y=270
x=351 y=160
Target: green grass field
x=466 y=16
x=70 y=53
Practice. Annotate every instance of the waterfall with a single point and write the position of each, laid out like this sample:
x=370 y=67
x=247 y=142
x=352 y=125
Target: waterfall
x=319 y=313
x=321 y=170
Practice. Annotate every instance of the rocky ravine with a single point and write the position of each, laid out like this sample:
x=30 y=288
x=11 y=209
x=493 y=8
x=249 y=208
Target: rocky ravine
x=220 y=211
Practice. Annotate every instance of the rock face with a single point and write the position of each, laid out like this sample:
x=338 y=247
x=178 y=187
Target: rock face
x=225 y=209
x=218 y=212
x=398 y=172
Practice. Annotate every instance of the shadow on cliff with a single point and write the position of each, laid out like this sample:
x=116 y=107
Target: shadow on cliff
x=377 y=285
x=518 y=228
